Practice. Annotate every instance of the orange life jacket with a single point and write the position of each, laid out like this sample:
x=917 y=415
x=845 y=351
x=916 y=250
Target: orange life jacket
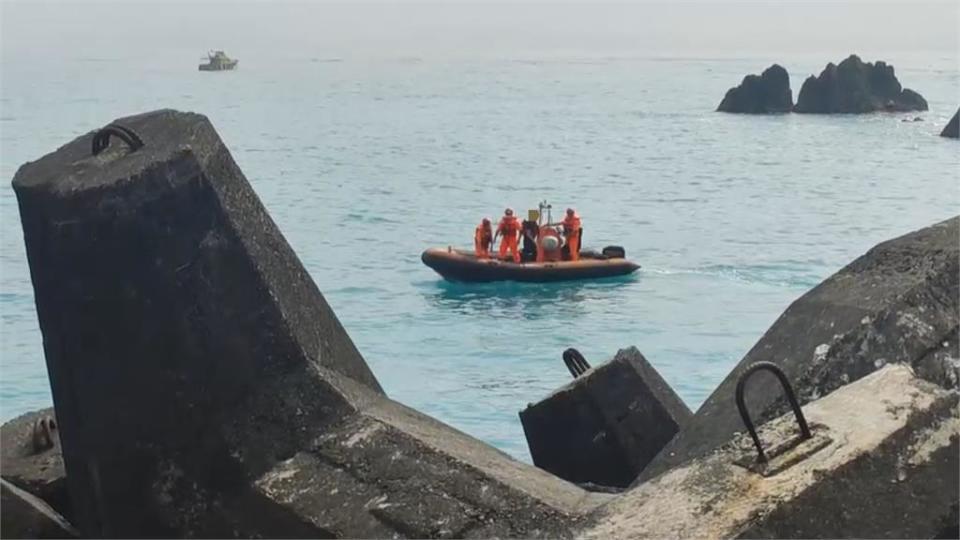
x=483 y=235
x=509 y=226
x=571 y=225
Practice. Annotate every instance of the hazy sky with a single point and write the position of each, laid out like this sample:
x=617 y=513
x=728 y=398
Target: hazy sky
x=706 y=28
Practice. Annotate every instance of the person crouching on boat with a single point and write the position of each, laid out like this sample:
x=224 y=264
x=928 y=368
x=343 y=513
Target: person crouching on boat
x=483 y=239
x=572 y=233
x=509 y=229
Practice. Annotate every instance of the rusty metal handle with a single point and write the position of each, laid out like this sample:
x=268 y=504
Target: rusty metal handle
x=575 y=362
x=101 y=140
x=791 y=397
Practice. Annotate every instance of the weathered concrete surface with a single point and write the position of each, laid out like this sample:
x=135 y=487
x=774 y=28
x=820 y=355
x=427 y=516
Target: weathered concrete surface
x=151 y=268
x=190 y=356
x=31 y=465
x=854 y=86
x=882 y=463
x=606 y=425
x=897 y=303
x=23 y=515
x=952 y=129
x=390 y=471
x=764 y=94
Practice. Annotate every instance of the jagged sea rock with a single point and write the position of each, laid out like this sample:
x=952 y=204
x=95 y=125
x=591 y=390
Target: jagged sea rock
x=854 y=86
x=952 y=129
x=768 y=93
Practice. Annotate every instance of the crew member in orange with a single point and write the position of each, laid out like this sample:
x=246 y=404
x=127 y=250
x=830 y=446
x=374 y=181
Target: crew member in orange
x=509 y=228
x=483 y=239
x=571 y=231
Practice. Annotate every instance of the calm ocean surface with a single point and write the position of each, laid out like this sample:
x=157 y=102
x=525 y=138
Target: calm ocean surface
x=364 y=163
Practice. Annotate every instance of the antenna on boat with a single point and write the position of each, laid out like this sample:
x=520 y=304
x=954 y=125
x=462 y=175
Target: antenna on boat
x=544 y=205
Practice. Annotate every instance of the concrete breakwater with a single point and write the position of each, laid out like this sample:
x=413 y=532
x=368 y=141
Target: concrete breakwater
x=203 y=387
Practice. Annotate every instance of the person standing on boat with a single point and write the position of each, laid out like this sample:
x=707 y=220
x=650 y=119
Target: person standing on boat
x=530 y=230
x=509 y=229
x=483 y=239
x=572 y=231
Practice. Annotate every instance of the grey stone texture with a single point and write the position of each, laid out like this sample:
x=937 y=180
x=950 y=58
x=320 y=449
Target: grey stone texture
x=882 y=463
x=952 y=129
x=854 y=87
x=764 y=94
x=190 y=354
x=898 y=303
x=23 y=515
x=604 y=427
x=28 y=462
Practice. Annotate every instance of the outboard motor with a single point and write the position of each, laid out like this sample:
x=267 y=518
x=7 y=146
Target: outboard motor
x=614 y=252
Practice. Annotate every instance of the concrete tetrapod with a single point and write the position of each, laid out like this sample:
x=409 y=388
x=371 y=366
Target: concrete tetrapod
x=605 y=426
x=31 y=458
x=882 y=463
x=27 y=516
x=900 y=302
x=196 y=368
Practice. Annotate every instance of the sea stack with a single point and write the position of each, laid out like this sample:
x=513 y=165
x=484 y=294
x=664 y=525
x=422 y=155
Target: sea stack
x=856 y=87
x=952 y=129
x=768 y=93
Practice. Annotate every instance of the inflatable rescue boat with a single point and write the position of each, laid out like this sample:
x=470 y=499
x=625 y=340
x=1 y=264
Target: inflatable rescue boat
x=461 y=265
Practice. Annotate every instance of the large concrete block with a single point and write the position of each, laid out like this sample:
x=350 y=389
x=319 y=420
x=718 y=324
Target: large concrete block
x=23 y=515
x=900 y=302
x=191 y=357
x=606 y=425
x=31 y=458
x=882 y=462
x=389 y=471
x=165 y=293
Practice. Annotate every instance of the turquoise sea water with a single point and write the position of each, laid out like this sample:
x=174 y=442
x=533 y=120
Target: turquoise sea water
x=363 y=163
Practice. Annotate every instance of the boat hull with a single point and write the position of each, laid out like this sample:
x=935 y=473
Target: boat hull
x=226 y=66
x=457 y=265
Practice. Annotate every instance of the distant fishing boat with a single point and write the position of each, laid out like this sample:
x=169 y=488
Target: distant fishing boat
x=218 y=61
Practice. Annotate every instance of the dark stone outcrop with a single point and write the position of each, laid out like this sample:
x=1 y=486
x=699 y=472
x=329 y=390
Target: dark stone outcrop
x=31 y=458
x=881 y=462
x=768 y=93
x=952 y=129
x=856 y=87
x=23 y=515
x=896 y=304
x=202 y=384
x=604 y=427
